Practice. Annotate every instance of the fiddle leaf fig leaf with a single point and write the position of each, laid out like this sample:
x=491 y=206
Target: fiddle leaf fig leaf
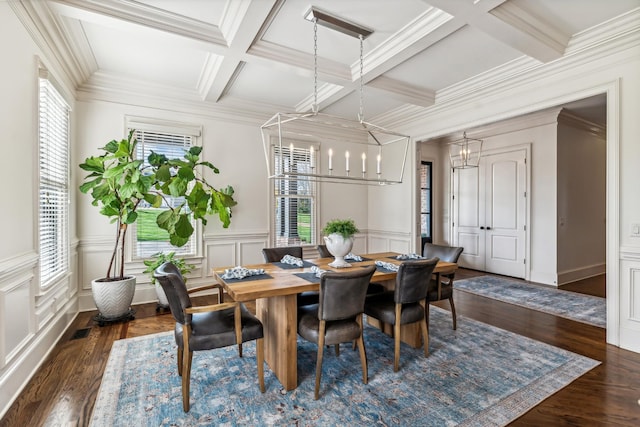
x=163 y=173
x=183 y=227
x=178 y=187
x=111 y=147
x=186 y=173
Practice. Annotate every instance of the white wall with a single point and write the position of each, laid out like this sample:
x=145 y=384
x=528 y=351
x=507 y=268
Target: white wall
x=581 y=199
x=31 y=318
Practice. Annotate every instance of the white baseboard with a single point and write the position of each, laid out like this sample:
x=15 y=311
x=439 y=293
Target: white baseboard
x=585 y=272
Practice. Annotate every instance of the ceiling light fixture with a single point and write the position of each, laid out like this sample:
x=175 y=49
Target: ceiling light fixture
x=307 y=146
x=465 y=153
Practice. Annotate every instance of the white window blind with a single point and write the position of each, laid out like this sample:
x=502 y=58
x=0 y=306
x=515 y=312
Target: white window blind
x=53 y=135
x=149 y=238
x=294 y=199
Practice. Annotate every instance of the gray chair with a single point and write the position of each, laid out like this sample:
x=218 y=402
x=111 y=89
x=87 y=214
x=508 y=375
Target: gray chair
x=323 y=251
x=406 y=303
x=337 y=317
x=276 y=254
x=206 y=327
x=444 y=289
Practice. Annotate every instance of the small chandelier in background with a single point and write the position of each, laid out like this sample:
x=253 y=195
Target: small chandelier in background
x=318 y=147
x=465 y=153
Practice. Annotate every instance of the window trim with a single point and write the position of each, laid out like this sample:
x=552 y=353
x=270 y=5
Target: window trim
x=64 y=269
x=147 y=124
x=420 y=212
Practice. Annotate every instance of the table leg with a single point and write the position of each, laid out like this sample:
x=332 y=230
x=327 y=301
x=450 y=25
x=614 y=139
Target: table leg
x=279 y=317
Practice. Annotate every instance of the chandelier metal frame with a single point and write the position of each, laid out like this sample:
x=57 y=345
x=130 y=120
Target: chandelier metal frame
x=313 y=129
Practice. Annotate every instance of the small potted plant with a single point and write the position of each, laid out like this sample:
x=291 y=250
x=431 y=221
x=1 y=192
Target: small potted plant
x=338 y=236
x=156 y=261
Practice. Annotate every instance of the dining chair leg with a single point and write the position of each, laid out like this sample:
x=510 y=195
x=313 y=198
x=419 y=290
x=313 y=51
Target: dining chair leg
x=424 y=326
x=319 y=361
x=179 y=361
x=260 y=359
x=363 y=353
x=337 y=346
x=186 y=377
x=453 y=313
x=396 y=336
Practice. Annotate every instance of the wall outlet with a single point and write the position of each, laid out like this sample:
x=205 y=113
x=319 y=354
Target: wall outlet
x=635 y=230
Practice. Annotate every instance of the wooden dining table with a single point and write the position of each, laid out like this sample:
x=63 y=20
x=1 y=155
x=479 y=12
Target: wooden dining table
x=276 y=292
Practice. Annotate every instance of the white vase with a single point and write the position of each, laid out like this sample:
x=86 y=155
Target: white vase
x=113 y=298
x=338 y=246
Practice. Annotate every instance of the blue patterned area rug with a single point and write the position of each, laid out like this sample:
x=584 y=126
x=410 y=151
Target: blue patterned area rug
x=571 y=305
x=478 y=375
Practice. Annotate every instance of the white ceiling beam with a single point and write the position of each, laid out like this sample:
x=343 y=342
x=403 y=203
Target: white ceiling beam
x=510 y=24
x=241 y=22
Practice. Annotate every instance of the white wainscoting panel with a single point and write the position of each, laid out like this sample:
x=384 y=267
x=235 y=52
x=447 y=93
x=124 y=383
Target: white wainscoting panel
x=388 y=241
x=233 y=249
x=630 y=299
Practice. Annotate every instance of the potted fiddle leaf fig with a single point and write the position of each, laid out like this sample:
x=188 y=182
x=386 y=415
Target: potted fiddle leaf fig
x=120 y=184
x=338 y=236
x=156 y=261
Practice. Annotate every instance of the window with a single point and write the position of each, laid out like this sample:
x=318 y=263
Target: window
x=426 y=200
x=294 y=199
x=149 y=238
x=53 y=183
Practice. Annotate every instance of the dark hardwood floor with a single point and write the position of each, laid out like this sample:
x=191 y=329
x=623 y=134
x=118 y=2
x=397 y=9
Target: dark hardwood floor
x=63 y=391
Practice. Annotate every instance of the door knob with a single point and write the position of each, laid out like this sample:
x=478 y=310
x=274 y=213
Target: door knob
x=488 y=228
x=481 y=228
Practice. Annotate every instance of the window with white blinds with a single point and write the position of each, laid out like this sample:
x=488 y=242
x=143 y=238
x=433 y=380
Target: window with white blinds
x=53 y=194
x=149 y=238
x=294 y=199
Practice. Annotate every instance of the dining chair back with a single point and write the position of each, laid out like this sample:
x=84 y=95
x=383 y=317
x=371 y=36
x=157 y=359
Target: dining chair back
x=337 y=318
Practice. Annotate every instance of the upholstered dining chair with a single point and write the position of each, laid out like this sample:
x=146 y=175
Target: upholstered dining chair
x=337 y=317
x=323 y=251
x=444 y=289
x=276 y=254
x=206 y=327
x=406 y=303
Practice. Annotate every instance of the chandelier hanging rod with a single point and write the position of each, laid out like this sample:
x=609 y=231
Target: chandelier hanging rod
x=335 y=23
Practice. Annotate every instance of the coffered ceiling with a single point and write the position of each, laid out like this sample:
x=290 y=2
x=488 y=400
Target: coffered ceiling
x=257 y=55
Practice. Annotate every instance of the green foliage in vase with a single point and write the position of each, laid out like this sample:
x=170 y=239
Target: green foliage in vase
x=345 y=227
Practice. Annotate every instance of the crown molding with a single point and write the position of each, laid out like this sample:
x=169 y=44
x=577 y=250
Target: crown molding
x=152 y=17
x=553 y=39
x=232 y=17
x=39 y=21
x=422 y=32
x=405 y=92
x=325 y=94
x=595 y=129
x=210 y=70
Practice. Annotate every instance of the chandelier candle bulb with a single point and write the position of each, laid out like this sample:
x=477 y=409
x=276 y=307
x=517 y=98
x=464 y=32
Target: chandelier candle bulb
x=379 y=159
x=364 y=163
x=330 y=159
x=346 y=159
x=312 y=157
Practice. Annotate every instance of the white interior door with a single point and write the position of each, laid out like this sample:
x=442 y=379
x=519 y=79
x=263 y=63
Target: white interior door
x=489 y=214
x=505 y=213
x=468 y=215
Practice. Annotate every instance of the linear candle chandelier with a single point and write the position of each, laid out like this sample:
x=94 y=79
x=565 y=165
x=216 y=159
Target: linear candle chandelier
x=333 y=149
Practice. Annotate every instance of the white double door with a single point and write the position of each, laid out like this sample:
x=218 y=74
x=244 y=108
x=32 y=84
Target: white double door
x=489 y=214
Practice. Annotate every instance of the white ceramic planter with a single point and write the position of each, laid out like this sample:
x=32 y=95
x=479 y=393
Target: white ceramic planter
x=113 y=299
x=338 y=246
